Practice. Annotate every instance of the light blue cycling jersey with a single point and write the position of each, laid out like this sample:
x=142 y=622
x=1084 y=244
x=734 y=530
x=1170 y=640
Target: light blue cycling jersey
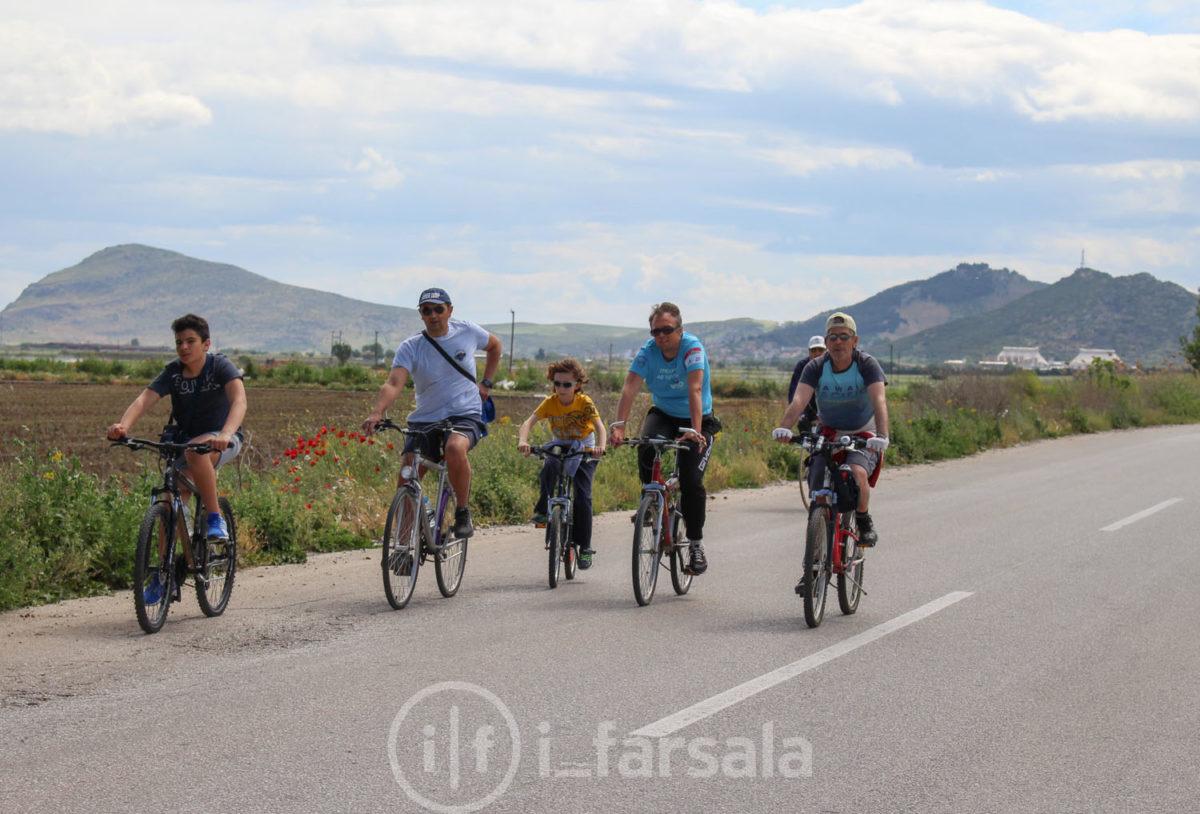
x=667 y=381
x=842 y=399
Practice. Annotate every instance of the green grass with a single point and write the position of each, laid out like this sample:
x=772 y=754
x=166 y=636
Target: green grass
x=330 y=489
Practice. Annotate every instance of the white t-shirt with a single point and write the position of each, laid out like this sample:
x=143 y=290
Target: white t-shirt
x=441 y=390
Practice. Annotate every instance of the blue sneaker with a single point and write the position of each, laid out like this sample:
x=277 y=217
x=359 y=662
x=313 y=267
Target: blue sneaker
x=154 y=591
x=216 y=527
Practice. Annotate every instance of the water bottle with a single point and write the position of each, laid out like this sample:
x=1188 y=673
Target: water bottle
x=431 y=521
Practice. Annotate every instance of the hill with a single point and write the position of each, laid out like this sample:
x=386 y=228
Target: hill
x=1139 y=316
x=132 y=291
x=965 y=291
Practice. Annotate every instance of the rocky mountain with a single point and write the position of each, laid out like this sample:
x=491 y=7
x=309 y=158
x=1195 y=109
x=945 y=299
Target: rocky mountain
x=971 y=311
x=1138 y=316
x=966 y=291
x=133 y=292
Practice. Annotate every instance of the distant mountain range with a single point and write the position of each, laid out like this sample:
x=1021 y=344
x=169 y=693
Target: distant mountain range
x=969 y=312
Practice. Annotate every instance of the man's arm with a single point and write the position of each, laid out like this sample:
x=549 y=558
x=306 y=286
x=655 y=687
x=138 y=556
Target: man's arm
x=388 y=394
x=633 y=383
x=494 y=350
x=879 y=403
x=804 y=393
x=695 y=383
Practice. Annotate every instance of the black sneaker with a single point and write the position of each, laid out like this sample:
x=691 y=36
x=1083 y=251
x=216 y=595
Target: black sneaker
x=698 y=562
x=867 y=538
x=585 y=558
x=462 y=523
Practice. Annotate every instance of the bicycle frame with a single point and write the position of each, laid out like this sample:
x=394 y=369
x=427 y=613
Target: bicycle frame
x=834 y=452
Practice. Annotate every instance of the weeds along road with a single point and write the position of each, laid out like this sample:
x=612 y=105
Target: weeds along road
x=1028 y=643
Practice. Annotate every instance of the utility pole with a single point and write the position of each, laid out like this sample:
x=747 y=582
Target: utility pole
x=375 y=350
x=512 y=337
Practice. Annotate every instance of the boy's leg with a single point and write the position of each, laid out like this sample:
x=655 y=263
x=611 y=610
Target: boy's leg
x=581 y=528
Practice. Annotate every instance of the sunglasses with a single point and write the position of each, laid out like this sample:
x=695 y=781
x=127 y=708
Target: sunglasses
x=838 y=337
x=557 y=383
x=426 y=310
x=664 y=331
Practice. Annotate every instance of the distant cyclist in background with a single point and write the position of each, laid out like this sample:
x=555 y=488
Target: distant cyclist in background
x=208 y=403
x=849 y=389
x=574 y=421
x=808 y=419
x=674 y=367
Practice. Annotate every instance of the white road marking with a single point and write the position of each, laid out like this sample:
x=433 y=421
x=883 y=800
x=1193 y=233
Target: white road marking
x=1133 y=518
x=710 y=706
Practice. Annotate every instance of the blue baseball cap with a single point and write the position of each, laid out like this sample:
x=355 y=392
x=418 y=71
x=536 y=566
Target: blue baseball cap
x=434 y=295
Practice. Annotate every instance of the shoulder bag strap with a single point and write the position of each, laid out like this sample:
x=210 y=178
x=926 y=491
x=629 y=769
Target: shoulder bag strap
x=447 y=356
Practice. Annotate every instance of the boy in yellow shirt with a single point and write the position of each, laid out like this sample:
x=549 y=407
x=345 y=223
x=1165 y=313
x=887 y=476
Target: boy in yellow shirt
x=574 y=420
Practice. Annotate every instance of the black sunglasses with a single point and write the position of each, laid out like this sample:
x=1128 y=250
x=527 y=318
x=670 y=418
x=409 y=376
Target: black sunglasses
x=426 y=310
x=664 y=331
x=557 y=383
x=839 y=337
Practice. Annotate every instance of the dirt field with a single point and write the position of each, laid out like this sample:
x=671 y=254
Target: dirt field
x=72 y=418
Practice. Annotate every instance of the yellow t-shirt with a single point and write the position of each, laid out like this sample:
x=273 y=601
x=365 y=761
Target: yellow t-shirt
x=570 y=422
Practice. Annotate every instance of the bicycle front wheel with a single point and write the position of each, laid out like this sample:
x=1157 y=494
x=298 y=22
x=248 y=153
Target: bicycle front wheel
x=681 y=557
x=815 y=577
x=802 y=477
x=849 y=582
x=647 y=530
x=556 y=536
x=152 y=580
x=401 y=548
x=451 y=558
x=218 y=565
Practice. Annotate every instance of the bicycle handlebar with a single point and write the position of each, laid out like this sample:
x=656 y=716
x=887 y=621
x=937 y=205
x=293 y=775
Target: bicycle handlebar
x=662 y=443
x=816 y=441
x=556 y=452
x=163 y=446
x=388 y=424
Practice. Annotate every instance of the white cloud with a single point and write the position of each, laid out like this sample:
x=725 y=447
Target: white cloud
x=52 y=83
x=381 y=173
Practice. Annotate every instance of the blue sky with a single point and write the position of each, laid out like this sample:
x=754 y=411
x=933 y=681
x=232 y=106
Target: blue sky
x=578 y=160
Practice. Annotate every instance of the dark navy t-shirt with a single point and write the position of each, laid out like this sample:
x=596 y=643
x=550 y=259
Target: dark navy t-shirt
x=200 y=404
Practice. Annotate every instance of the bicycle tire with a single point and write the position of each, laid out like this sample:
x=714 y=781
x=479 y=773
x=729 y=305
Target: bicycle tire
x=647 y=529
x=148 y=565
x=555 y=537
x=849 y=582
x=815 y=575
x=681 y=557
x=218 y=566
x=401 y=560
x=802 y=480
x=451 y=558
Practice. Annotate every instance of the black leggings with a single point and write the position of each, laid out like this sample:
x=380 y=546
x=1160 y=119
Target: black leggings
x=692 y=462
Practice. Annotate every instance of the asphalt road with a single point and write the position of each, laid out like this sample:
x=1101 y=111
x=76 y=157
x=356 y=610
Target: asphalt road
x=1028 y=643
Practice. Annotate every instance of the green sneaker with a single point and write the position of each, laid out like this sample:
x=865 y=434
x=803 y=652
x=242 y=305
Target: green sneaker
x=585 y=558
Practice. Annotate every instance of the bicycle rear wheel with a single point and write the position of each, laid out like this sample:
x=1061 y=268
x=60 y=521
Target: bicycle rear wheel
x=815 y=577
x=401 y=548
x=556 y=533
x=849 y=582
x=451 y=558
x=647 y=529
x=152 y=580
x=681 y=557
x=218 y=565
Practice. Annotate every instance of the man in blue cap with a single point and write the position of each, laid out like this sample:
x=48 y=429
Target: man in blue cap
x=441 y=361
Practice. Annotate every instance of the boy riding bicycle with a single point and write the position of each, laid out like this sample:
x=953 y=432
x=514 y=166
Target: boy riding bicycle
x=574 y=421
x=208 y=403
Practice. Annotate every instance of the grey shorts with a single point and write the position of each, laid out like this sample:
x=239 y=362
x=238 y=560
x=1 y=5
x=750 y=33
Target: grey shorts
x=228 y=454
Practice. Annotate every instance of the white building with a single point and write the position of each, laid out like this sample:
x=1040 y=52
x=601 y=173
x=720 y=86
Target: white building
x=1086 y=356
x=1028 y=358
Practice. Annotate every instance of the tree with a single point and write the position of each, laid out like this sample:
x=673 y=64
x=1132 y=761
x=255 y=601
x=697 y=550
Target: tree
x=374 y=350
x=342 y=352
x=1191 y=350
